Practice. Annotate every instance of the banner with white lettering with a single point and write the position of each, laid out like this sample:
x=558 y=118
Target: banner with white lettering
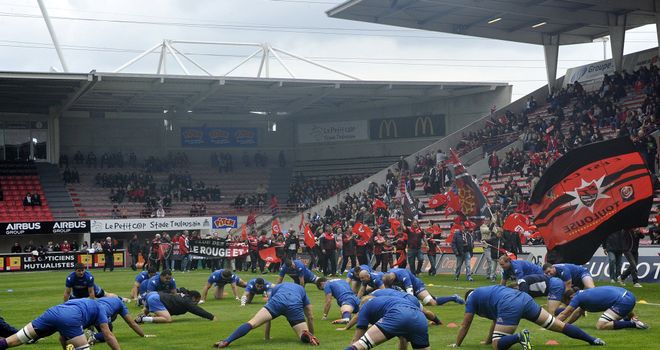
x=593 y=73
x=152 y=224
x=44 y=227
x=217 y=248
x=56 y=261
x=350 y=130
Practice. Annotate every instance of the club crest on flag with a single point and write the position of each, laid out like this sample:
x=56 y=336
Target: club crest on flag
x=587 y=194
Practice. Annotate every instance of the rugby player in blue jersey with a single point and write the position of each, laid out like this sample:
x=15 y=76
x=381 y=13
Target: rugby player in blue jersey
x=141 y=277
x=162 y=282
x=69 y=319
x=297 y=271
x=370 y=281
x=407 y=281
x=616 y=303
x=506 y=307
x=220 y=278
x=256 y=286
x=541 y=286
x=572 y=275
x=288 y=300
x=165 y=305
x=346 y=300
x=80 y=284
x=353 y=277
x=517 y=269
x=114 y=307
x=390 y=317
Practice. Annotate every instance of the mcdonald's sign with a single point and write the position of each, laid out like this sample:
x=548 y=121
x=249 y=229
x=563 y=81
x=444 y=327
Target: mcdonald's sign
x=388 y=129
x=407 y=127
x=423 y=126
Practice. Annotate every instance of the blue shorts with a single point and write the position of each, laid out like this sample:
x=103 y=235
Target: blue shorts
x=62 y=318
x=578 y=281
x=512 y=309
x=407 y=322
x=418 y=286
x=98 y=293
x=352 y=301
x=624 y=305
x=281 y=305
x=153 y=303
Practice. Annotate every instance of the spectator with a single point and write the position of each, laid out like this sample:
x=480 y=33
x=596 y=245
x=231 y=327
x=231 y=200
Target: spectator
x=632 y=255
x=329 y=252
x=16 y=248
x=348 y=251
x=414 y=245
x=291 y=245
x=133 y=251
x=462 y=245
x=109 y=254
x=29 y=247
x=494 y=165
x=65 y=247
x=27 y=200
x=614 y=246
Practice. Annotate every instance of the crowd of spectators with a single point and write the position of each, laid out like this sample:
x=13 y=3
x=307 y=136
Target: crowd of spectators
x=306 y=192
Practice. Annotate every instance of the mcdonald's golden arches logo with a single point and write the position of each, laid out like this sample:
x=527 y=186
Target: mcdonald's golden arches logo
x=424 y=126
x=389 y=128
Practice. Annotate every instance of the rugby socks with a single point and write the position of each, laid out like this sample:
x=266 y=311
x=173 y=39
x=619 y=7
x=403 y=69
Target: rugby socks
x=346 y=315
x=3 y=344
x=444 y=300
x=147 y=319
x=576 y=333
x=507 y=341
x=241 y=331
x=624 y=324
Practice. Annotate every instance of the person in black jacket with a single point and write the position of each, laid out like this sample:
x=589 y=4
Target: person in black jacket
x=164 y=305
x=109 y=253
x=291 y=245
x=494 y=243
x=133 y=250
x=348 y=250
x=462 y=244
x=329 y=252
x=632 y=255
x=615 y=245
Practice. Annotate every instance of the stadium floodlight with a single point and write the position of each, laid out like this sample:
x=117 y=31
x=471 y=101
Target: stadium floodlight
x=539 y=24
x=264 y=51
x=259 y=112
x=495 y=20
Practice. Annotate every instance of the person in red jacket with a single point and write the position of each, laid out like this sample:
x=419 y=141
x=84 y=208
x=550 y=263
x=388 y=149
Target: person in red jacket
x=494 y=164
x=329 y=252
x=184 y=251
x=415 y=236
x=400 y=243
x=348 y=251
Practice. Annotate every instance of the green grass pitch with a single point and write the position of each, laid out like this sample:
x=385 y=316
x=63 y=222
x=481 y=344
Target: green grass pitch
x=24 y=296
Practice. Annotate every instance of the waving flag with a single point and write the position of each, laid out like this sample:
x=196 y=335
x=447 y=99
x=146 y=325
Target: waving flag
x=363 y=231
x=437 y=200
x=394 y=224
x=269 y=255
x=275 y=227
x=486 y=188
x=379 y=204
x=474 y=204
x=310 y=240
x=589 y=193
x=453 y=203
x=244 y=235
x=517 y=222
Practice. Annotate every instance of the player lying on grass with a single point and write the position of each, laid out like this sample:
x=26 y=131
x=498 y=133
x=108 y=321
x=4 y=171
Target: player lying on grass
x=392 y=292
x=346 y=300
x=220 y=278
x=80 y=284
x=572 y=275
x=114 y=307
x=506 y=307
x=541 y=286
x=165 y=305
x=141 y=277
x=407 y=281
x=288 y=300
x=297 y=270
x=69 y=319
x=256 y=286
x=390 y=317
x=616 y=303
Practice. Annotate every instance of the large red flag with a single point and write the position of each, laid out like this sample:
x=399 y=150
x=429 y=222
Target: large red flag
x=394 y=224
x=269 y=255
x=437 y=200
x=363 y=231
x=589 y=193
x=379 y=204
x=486 y=188
x=517 y=222
x=275 y=227
x=310 y=241
x=453 y=203
x=473 y=203
x=244 y=235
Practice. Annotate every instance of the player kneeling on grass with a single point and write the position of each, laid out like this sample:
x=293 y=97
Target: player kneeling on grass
x=220 y=278
x=572 y=275
x=165 y=305
x=506 y=307
x=80 y=284
x=69 y=319
x=390 y=317
x=256 y=286
x=288 y=300
x=113 y=307
x=342 y=292
x=616 y=302
x=407 y=281
x=142 y=277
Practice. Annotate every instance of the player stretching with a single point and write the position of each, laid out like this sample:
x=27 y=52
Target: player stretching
x=616 y=303
x=288 y=300
x=220 y=278
x=341 y=291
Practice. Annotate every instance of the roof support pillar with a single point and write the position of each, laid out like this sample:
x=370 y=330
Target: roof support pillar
x=54 y=135
x=551 y=52
x=657 y=29
x=617 y=38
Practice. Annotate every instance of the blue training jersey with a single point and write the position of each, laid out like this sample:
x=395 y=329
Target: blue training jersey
x=483 y=300
x=390 y=292
x=216 y=277
x=375 y=280
x=339 y=289
x=569 y=272
x=142 y=276
x=251 y=287
x=355 y=276
x=156 y=285
x=90 y=311
x=374 y=309
x=291 y=293
x=404 y=278
x=80 y=285
x=542 y=285
x=520 y=269
x=113 y=306
x=299 y=270
x=597 y=299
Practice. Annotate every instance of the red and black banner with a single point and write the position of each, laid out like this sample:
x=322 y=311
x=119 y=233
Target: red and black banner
x=473 y=203
x=589 y=193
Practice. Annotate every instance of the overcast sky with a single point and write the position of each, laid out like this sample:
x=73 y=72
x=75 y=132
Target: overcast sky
x=103 y=35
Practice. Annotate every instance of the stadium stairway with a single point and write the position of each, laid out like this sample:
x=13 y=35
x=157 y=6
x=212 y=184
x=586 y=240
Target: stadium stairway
x=54 y=189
